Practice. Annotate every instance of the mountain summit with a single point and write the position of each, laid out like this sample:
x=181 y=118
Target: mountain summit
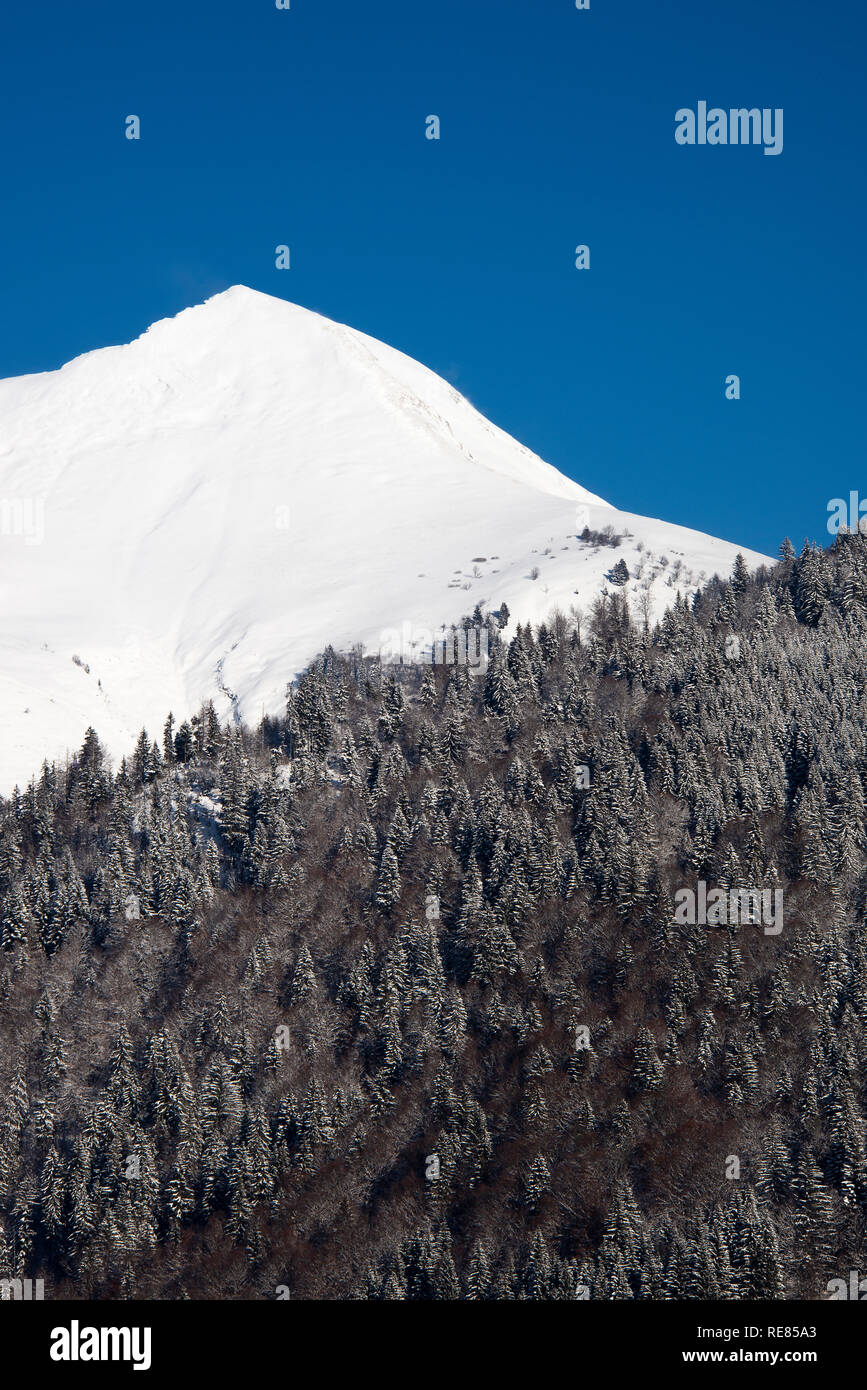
x=196 y=514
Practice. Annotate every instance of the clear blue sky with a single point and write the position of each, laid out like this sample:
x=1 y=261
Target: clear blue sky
x=307 y=127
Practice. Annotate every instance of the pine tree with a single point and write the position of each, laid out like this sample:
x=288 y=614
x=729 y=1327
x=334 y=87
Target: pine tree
x=388 y=886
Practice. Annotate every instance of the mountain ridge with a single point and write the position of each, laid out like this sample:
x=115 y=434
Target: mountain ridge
x=247 y=482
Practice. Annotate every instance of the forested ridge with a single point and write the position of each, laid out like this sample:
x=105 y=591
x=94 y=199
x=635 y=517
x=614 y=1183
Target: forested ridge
x=386 y=998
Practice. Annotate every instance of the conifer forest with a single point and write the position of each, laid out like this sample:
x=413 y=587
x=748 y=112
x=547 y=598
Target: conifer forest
x=390 y=997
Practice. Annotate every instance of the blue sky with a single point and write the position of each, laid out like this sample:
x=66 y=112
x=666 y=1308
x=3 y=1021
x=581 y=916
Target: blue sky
x=307 y=127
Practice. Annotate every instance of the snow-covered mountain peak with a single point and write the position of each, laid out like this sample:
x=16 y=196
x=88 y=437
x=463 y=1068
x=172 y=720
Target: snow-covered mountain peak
x=199 y=512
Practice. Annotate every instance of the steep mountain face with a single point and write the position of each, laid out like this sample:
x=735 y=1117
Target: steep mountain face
x=196 y=514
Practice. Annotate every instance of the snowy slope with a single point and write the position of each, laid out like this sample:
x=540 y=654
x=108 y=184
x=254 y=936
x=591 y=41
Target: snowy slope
x=198 y=513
